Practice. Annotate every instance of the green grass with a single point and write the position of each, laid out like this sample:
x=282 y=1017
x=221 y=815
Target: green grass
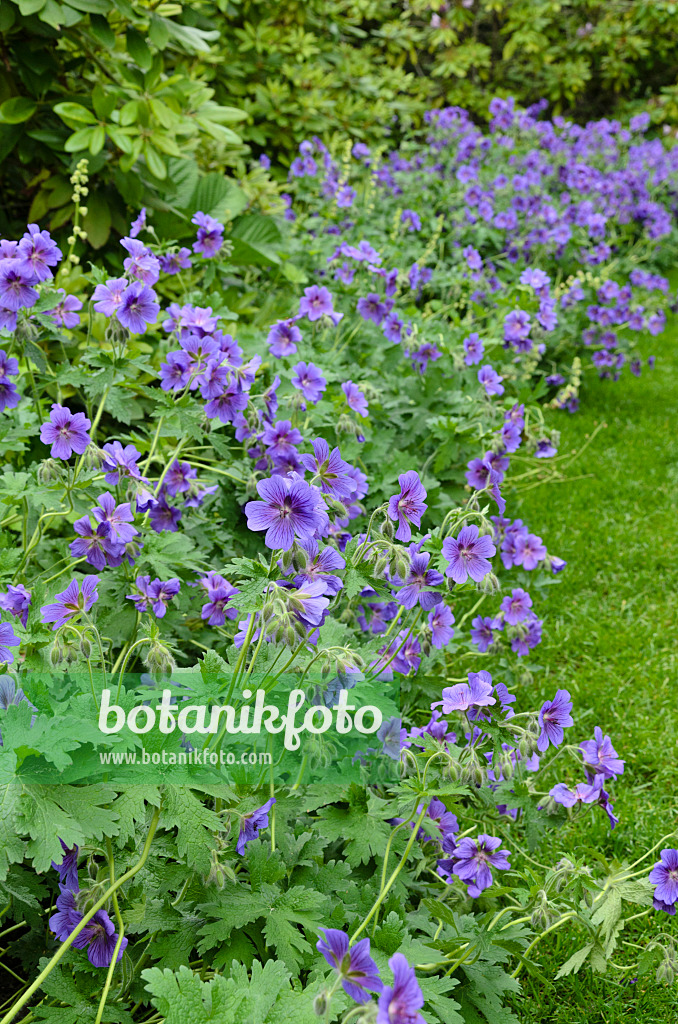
x=611 y=639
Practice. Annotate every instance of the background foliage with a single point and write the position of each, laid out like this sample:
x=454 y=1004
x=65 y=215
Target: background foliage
x=160 y=94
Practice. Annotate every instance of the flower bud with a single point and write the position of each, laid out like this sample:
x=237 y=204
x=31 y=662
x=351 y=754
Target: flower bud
x=55 y=655
x=49 y=471
x=489 y=584
x=320 y=1004
x=380 y=565
x=158 y=659
x=666 y=972
x=386 y=528
x=336 y=506
x=116 y=333
x=402 y=564
x=85 y=647
x=299 y=558
x=287 y=558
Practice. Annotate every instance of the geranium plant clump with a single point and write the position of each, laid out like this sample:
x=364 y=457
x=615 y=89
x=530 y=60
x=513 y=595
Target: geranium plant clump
x=318 y=490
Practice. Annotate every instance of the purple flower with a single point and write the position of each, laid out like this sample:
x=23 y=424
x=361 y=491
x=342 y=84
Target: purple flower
x=516 y=607
x=553 y=718
x=355 y=399
x=155 y=594
x=283 y=338
x=92 y=543
x=468 y=555
x=16 y=291
x=285 y=512
x=420 y=577
x=163 y=516
x=588 y=792
x=372 y=308
x=71 y=601
x=316 y=302
x=178 y=477
x=102 y=939
x=481 y=632
x=358 y=971
x=664 y=876
x=175 y=262
x=175 y=372
x=117 y=517
x=209 y=236
x=476 y=693
x=529 y=551
x=412 y=220
x=68 y=867
x=8 y=639
x=251 y=824
x=440 y=620
x=545 y=449
x=139 y=224
x=215 y=612
x=474 y=349
x=141 y=263
x=600 y=755
x=331 y=472
x=490 y=380
x=67 y=917
x=408 y=506
x=37 y=252
x=400 y=1003
x=66 y=432
x=138 y=308
x=281 y=439
x=309 y=380
x=322 y=565
x=9 y=396
x=65 y=313
x=475 y=857
x=107 y=297
x=517 y=330
x=120 y=462
x=17 y=601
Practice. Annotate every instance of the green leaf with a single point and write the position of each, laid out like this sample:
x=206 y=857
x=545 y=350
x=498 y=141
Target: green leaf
x=156 y=164
x=158 y=31
x=11 y=846
x=102 y=30
x=218 y=196
x=97 y=224
x=197 y=826
x=182 y=998
x=103 y=102
x=28 y=7
x=78 y=140
x=73 y=813
x=96 y=142
x=74 y=112
x=576 y=961
x=17 y=110
x=138 y=49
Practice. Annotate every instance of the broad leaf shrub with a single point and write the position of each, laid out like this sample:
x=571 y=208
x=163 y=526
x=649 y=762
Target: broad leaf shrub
x=122 y=84
x=158 y=95
x=210 y=491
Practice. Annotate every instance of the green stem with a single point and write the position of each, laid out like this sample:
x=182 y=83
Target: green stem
x=394 y=874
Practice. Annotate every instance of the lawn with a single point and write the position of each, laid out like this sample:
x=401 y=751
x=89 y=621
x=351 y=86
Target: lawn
x=611 y=639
